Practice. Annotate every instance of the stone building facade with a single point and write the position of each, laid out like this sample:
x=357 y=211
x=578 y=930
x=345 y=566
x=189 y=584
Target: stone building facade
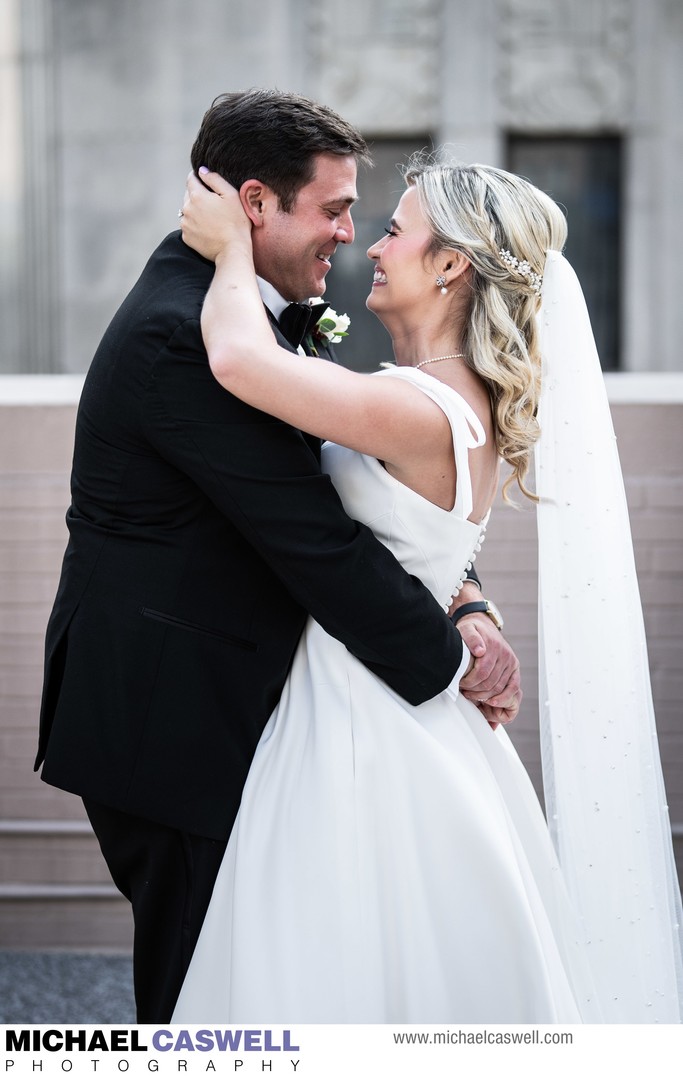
x=100 y=103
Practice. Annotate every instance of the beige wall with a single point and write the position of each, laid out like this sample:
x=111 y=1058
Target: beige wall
x=55 y=891
x=54 y=888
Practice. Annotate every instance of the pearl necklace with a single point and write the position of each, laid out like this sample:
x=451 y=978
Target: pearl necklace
x=440 y=358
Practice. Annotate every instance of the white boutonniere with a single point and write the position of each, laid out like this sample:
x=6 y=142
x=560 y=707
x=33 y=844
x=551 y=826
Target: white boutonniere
x=332 y=327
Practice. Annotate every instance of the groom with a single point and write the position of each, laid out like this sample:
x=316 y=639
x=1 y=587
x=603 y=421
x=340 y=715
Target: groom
x=202 y=533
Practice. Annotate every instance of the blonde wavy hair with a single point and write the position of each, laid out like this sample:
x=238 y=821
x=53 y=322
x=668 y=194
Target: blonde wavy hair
x=481 y=211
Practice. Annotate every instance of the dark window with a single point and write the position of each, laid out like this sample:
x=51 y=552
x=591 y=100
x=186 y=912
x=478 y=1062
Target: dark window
x=368 y=343
x=584 y=176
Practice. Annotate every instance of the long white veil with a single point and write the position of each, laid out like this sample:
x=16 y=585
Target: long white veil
x=601 y=768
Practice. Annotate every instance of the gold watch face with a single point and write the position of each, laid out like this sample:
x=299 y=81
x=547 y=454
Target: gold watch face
x=494 y=612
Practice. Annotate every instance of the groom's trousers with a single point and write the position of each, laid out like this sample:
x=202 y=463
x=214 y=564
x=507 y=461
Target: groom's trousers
x=168 y=876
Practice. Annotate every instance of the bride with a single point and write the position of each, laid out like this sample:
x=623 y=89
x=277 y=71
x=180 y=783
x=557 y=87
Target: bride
x=389 y=863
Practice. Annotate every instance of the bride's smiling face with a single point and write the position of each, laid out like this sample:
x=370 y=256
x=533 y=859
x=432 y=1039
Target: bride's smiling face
x=405 y=276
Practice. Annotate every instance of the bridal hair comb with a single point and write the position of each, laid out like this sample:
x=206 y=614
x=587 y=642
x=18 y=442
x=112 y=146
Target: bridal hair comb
x=534 y=281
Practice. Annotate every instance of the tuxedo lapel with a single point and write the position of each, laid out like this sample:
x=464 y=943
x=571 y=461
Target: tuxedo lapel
x=321 y=349
x=279 y=336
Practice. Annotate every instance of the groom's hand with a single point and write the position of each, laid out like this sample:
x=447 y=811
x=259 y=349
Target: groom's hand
x=493 y=683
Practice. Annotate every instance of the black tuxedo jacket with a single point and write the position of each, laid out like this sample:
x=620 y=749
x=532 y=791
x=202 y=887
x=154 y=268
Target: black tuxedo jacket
x=202 y=532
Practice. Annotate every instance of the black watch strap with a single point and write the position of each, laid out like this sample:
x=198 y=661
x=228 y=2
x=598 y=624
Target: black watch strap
x=469 y=607
x=472 y=577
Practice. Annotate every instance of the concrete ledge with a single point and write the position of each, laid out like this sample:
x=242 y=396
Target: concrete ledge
x=18 y=891
x=39 y=390
x=44 y=827
x=85 y=925
x=638 y=388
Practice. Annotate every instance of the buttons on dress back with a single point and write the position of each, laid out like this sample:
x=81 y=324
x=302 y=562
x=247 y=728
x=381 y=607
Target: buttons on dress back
x=463 y=578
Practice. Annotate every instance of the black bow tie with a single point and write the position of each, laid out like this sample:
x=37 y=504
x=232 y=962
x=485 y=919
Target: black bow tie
x=299 y=319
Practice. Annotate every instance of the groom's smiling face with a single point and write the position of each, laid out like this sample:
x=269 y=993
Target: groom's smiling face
x=293 y=250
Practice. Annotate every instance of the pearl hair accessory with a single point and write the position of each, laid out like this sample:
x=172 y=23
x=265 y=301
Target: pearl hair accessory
x=440 y=358
x=441 y=283
x=534 y=281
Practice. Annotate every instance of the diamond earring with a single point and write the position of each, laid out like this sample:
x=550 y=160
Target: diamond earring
x=441 y=283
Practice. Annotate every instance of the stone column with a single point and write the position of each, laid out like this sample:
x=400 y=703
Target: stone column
x=28 y=178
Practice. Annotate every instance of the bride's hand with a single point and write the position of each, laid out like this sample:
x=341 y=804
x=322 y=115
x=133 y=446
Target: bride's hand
x=213 y=219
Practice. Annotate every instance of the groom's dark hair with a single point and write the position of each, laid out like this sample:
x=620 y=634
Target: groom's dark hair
x=273 y=137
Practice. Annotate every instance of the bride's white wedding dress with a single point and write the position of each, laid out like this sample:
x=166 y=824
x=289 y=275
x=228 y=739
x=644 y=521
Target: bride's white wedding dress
x=389 y=863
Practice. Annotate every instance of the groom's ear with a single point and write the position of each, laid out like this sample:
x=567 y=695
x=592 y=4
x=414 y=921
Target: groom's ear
x=257 y=200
